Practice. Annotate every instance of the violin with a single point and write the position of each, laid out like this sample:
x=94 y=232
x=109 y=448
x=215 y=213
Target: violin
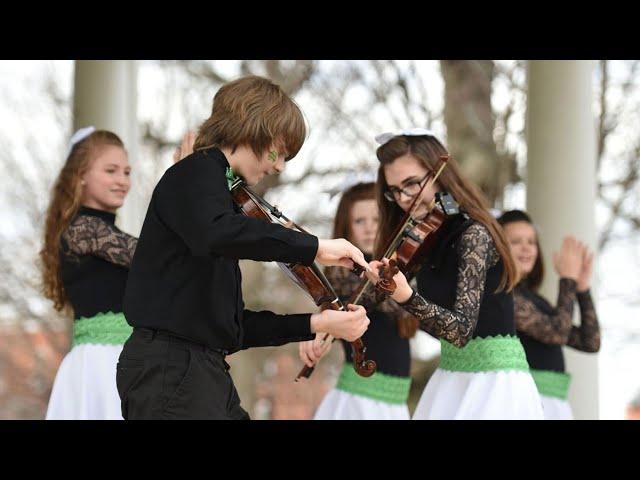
x=414 y=239
x=309 y=278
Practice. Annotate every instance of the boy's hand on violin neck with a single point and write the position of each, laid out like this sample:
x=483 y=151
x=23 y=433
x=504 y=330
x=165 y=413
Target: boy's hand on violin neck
x=341 y=253
x=349 y=325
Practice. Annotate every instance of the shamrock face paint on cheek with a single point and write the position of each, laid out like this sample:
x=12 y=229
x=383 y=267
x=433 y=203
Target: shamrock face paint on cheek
x=273 y=155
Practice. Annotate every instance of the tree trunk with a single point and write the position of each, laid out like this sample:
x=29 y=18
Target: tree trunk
x=470 y=123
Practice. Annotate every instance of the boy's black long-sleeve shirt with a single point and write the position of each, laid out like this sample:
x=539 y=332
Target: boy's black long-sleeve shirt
x=184 y=276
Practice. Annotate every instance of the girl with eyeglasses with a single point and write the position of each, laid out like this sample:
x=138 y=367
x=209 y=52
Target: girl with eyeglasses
x=383 y=396
x=543 y=328
x=463 y=294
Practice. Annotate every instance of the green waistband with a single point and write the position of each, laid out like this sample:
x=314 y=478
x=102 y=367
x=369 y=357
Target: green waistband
x=552 y=384
x=104 y=328
x=484 y=355
x=379 y=386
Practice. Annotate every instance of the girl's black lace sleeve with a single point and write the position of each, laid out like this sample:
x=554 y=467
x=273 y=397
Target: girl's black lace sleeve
x=89 y=235
x=586 y=337
x=550 y=328
x=476 y=253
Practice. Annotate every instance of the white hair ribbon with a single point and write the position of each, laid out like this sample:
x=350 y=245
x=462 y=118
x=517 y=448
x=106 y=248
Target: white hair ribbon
x=411 y=132
x=80 y=135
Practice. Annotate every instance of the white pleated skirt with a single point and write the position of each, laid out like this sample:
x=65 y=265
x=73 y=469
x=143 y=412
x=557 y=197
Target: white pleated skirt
x=341 y=405
x=85 y=385
x=556 y=408
x=492 y=395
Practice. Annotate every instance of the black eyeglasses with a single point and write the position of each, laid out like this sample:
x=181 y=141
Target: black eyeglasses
x=411 y=189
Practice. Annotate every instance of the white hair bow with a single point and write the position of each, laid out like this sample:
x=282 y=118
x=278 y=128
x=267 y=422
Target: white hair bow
x=80 y=135
x=411 y=132
x=495 y=213
x=352 y=180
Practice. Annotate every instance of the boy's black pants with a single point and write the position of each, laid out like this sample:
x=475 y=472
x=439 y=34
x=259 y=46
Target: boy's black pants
x=161 y=376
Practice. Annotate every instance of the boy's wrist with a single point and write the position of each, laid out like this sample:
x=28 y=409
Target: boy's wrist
x=316 y=322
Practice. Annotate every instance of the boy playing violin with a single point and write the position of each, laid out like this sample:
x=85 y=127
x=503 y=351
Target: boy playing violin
x=183 y=294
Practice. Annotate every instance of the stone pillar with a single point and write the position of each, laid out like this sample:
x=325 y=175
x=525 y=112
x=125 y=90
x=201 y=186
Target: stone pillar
x=105 y=96
x=561 y=187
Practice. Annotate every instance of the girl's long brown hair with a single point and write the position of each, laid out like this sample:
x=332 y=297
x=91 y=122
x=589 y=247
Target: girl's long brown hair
x=407 y=323
x=342 y=222
x=65 y=202
x=428 y=150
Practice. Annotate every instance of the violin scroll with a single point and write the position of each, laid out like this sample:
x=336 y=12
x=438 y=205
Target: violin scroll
x=364 y=367
x=386 y=285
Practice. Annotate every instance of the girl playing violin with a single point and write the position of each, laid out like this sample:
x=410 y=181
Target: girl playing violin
x=463 y=286
x=183 y=294
x=383 y=396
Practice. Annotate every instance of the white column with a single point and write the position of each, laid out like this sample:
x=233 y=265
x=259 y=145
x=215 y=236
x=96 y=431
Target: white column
x=105 y=95
x=561 y=187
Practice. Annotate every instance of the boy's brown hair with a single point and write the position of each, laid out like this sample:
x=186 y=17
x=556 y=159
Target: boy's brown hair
x=255 y=112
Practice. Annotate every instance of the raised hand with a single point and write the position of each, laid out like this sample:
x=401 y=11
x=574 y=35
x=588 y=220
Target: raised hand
x=584 y=277
x=185 y=148
x=568 y=262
